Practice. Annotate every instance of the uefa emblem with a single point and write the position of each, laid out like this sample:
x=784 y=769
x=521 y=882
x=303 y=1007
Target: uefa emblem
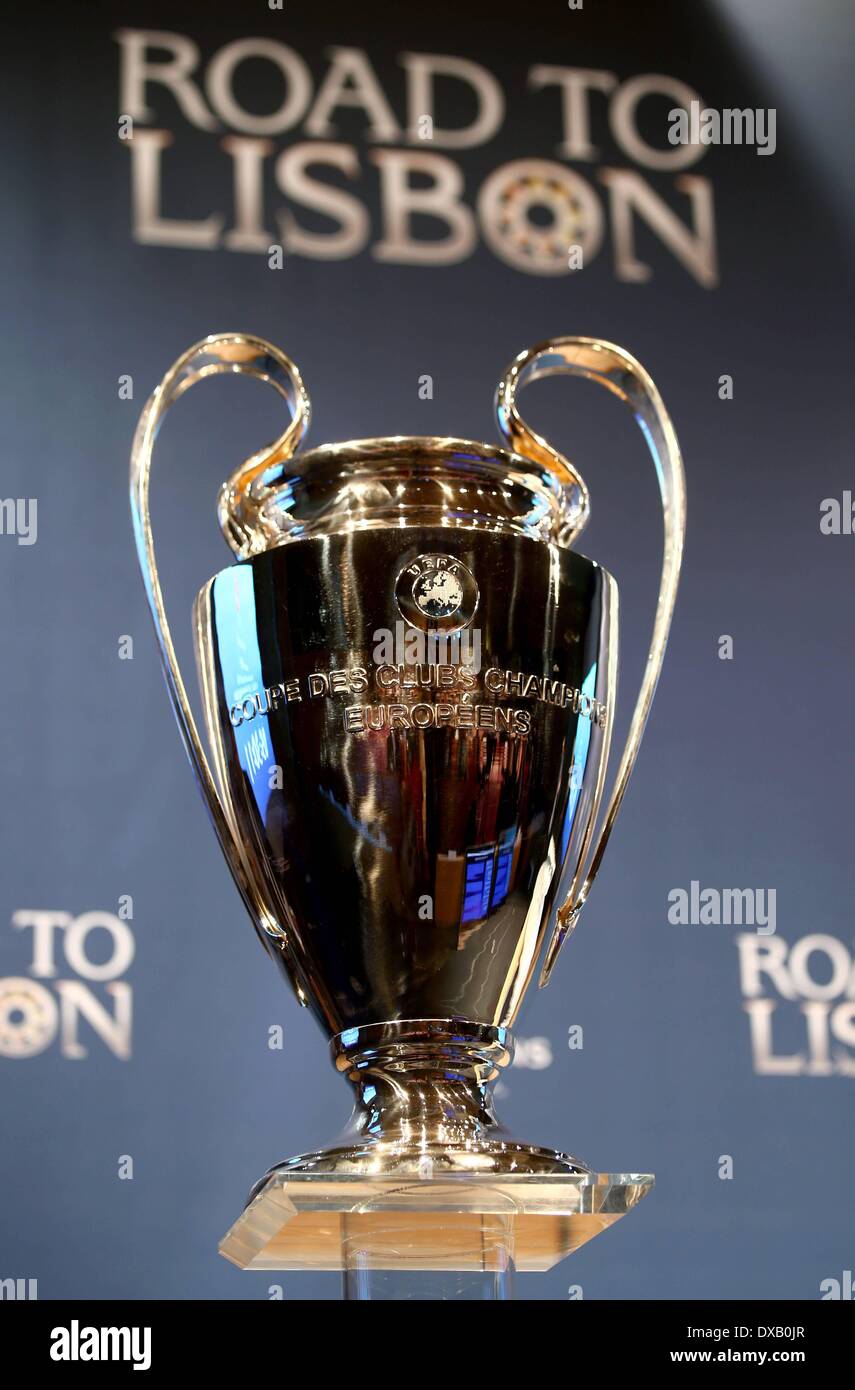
x=437 y=591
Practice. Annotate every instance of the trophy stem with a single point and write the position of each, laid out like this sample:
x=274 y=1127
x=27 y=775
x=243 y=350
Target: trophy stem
x=423 y=1106
x=423 y=1092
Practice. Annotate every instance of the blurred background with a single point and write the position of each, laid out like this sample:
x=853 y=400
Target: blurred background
x=156 y=158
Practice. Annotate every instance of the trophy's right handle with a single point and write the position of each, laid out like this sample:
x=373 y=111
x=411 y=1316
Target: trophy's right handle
x=245 y=355
x=625 y=377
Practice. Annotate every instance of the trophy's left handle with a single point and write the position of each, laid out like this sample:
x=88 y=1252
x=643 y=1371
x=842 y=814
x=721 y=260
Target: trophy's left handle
x=249 y=356
x=625 y=377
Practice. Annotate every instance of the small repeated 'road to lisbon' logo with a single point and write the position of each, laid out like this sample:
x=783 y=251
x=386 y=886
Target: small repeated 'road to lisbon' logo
x=437 y=591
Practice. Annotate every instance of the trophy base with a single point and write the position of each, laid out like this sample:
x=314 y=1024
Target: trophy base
x=302 y=1220
x=425 y=1177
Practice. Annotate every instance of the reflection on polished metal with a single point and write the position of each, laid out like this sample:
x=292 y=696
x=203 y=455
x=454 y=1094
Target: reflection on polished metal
x=408 y=683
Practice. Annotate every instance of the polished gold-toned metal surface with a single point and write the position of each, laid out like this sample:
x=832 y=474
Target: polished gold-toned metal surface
x=408 y=683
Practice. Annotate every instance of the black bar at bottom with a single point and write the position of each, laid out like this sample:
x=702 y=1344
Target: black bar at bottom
x=254 y=1340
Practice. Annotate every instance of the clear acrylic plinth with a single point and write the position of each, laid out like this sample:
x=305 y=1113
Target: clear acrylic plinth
x=372 y=1272
x=476 y=1225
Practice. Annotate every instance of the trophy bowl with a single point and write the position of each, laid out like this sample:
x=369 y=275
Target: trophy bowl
x=408 y=683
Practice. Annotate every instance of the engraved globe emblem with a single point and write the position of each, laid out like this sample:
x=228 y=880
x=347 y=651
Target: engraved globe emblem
x=436 y=591
x=438 y=594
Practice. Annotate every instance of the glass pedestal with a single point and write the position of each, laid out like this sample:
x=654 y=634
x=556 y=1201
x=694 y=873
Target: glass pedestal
x=449 y=1237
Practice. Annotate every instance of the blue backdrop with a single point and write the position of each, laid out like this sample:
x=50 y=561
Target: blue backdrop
x=140 y=1097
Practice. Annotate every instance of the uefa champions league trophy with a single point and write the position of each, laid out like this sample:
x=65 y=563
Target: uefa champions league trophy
x=414 y=832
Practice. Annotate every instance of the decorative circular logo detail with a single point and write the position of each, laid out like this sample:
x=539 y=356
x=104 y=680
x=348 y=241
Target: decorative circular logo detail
x=436 y=591
x=534 y=212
